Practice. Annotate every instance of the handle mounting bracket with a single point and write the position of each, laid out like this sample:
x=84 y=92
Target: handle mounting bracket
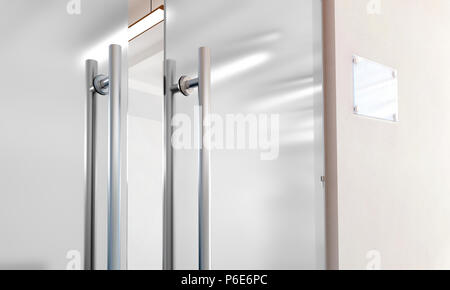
x=101 y=84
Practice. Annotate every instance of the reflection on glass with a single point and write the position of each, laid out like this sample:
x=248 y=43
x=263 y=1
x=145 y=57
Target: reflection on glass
x=145 y=150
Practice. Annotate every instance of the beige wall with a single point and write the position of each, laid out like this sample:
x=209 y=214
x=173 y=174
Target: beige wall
x=393 y=180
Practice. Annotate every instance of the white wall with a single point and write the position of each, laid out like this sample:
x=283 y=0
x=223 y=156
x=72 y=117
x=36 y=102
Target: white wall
x=393 y=182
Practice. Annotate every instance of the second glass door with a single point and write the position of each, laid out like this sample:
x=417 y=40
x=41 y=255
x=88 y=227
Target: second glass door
x=267 y=198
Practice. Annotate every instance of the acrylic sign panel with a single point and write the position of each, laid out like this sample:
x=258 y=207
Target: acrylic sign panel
x=375 y=90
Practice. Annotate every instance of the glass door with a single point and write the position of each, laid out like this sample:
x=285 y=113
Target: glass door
x=145 y=149
x=244 y=191
x=50 y=217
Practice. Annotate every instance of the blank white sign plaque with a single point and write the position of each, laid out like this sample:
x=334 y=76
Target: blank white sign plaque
x=375 y=89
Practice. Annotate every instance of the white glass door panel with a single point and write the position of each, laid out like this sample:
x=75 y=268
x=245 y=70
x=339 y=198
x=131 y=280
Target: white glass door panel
x=267 y=198
x=43 y=201
x=145 y=150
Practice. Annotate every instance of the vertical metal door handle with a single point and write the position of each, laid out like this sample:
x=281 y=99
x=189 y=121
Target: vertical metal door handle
x=115 y=87
x=168 y=259
x=204 y=201
x=185 y=86
x=89 y=244
x=103 y=85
